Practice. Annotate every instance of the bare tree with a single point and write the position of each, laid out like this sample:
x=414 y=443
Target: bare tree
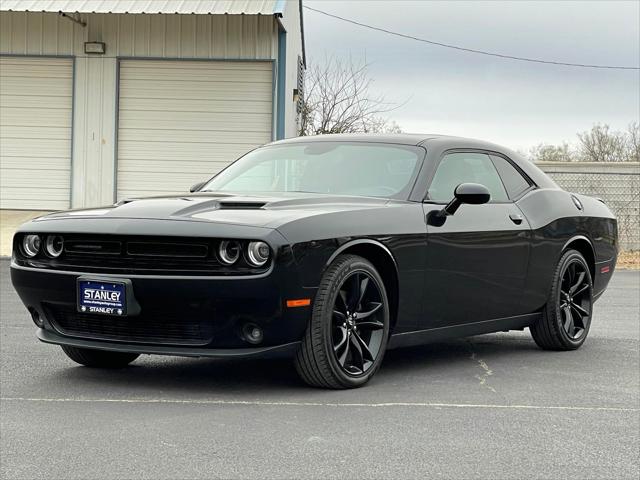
x=633 y=142
x=600 y=144
x=552 y=153
x=339 y=99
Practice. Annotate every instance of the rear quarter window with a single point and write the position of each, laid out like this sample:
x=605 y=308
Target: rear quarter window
x=513 y=181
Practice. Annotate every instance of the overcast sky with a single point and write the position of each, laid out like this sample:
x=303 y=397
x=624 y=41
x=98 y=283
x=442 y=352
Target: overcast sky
x=513 y=103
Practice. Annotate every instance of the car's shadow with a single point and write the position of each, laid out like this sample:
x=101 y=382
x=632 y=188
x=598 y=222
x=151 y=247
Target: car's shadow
x=153 y=374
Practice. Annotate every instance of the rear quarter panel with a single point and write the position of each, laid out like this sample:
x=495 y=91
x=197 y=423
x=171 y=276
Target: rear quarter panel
x=555 y=222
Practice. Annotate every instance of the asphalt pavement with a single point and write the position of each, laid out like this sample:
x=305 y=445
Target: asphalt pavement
x=492 y=406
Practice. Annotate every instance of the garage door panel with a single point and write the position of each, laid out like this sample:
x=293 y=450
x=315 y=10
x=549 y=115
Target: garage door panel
x=166 y=66
x=33 y=71
x=218 y=91
x=175 y=165
x=56 y=196
x=15 y=178
x=190 y=120
x=25 y=63
x=35 y=132
x=35 y=101
x=35 y=117
x=18 y=198
x=198 y=105
x=37 y=147
x=250 y=139
x=190 y=76
x=33 y=86
x=40 y=132
x=179 y=152
x=34 y=164
x=156 y=183
x=183 y=121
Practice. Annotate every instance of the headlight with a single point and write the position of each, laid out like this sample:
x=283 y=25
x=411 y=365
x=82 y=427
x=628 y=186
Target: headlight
x=53 y=245
x=31 y=245
x=258 y=253
x=229 y=252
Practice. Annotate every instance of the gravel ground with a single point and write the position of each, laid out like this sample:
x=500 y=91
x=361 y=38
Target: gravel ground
x=493 y=406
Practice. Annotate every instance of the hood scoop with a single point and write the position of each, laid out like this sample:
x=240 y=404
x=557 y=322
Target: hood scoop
x=242 y=205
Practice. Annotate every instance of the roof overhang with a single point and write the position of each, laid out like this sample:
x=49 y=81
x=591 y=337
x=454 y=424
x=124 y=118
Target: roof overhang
x=182 y=7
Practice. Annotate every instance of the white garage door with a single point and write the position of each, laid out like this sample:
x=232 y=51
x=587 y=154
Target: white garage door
x=182 y=121
x=35 y=132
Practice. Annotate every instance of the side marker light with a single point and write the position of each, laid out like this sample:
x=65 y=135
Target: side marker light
x=303 y=302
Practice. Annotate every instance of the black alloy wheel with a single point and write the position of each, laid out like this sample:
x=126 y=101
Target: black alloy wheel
x=574 y=300
x=348 y=331
x=358 y=323
x=566 y=317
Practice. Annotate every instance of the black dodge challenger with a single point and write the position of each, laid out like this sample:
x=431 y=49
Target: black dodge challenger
x=331 y=249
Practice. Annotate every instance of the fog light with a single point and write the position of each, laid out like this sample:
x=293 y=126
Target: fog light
x=31 y=245
x=35 y=316
x=229 y=252
x=252 y=333
x=258 y=253
x=54 y=245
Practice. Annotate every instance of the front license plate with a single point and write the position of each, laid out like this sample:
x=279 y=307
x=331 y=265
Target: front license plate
x=106 y=298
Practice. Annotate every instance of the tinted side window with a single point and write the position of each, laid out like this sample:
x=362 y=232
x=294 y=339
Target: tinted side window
x=513 y=181
x=457 y=168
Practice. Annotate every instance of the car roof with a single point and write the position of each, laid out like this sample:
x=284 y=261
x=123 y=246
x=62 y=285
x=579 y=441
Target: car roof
x=397 y=138
x=430 y=141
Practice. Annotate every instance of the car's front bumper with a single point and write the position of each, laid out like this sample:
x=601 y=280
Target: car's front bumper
x=288 y=349
x=217 y=306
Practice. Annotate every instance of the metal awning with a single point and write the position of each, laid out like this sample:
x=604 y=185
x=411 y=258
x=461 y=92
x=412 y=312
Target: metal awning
x=196 y=7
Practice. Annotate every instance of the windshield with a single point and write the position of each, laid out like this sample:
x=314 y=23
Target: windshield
x=361 y=169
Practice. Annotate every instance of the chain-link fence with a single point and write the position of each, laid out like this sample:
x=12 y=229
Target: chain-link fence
x=618 y=184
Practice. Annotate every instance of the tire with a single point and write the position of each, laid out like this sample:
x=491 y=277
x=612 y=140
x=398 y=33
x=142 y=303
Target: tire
x=99 y=358
x=553 y=331
x=335 y=352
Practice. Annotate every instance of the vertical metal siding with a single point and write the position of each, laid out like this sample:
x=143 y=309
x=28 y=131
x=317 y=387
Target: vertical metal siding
x=282 y=78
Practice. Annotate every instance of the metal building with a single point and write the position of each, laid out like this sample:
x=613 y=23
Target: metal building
x=106 y=99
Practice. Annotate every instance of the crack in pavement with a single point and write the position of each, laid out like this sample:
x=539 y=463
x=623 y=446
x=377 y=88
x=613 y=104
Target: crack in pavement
x=487 y=371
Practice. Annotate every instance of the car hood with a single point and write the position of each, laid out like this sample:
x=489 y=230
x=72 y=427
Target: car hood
x=260 y=211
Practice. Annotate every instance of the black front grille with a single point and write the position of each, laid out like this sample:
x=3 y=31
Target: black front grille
x=154 y=326
x=167 y=249
x=141 y=255
x=77 y=246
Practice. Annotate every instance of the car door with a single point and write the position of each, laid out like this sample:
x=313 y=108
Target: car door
x=477 y=259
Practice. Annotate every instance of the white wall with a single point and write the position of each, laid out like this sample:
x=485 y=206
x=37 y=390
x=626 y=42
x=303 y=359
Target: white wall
x=162 y=36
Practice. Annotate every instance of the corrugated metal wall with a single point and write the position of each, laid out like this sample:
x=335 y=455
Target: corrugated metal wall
x=174 y=36
x=164 y=36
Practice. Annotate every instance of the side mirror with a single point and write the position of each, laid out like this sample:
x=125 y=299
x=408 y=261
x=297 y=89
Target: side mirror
x=469 y=193
x=197 y=186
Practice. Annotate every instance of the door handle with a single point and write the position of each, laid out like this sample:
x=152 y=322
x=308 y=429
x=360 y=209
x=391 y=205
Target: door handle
x=515 y=218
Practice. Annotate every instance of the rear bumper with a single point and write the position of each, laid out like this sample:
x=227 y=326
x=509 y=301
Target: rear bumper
x=192 y=316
